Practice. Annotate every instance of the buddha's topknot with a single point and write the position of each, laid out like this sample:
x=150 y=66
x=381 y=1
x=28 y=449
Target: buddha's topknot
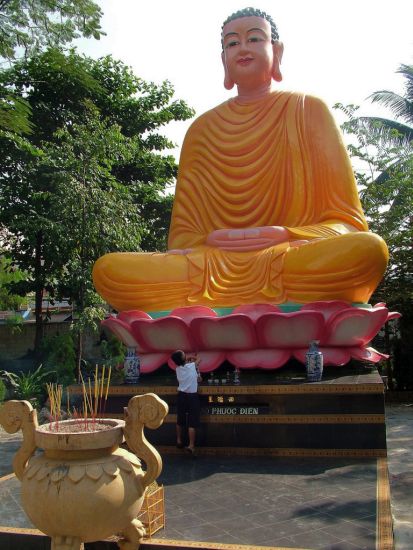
x=248 y=12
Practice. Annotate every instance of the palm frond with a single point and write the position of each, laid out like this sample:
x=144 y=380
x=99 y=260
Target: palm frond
x=387 y=129
x=15 y=115
x=401 y=106
x=407 y=72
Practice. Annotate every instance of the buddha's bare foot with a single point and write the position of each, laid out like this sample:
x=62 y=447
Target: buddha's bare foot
x=132 y=536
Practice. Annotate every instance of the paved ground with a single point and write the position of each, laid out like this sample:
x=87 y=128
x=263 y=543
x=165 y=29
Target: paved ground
x=336 y=499
x=399 y=427
x=9 y=444
x=322 y=504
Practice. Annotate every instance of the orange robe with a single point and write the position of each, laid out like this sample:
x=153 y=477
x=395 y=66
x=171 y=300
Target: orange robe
x=277 y=161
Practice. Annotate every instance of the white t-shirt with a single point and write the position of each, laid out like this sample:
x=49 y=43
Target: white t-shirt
x=187 y=378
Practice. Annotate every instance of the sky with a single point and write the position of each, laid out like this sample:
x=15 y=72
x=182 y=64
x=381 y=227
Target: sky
x=341 y=51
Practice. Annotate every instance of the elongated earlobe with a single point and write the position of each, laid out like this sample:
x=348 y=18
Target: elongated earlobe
x=278 y=49
x=228 y=82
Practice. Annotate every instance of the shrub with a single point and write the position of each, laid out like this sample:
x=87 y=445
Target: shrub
x=60 y=356
x=29 y=386
x=113 y=351
x=3 y=390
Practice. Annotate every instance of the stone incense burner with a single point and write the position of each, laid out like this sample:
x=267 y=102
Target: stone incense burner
x=83 y=486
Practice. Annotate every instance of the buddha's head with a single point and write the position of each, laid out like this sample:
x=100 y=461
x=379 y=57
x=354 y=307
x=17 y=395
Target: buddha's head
x=251 y=50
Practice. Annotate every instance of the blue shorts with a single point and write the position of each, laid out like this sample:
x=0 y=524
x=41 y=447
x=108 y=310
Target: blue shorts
x=188 y=405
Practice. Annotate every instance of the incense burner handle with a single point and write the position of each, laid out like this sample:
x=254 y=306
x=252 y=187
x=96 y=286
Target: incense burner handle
x=15 y=416
x=145 y=410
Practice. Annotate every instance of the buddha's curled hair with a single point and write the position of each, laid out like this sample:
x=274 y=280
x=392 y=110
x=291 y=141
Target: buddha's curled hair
x=248 y=12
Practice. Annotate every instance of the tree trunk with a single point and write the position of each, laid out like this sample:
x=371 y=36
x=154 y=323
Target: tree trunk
x=81 y=297
x=39 y=287
x=79 y=353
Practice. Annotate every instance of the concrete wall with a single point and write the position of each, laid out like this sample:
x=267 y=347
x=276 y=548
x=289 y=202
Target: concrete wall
x=16 y=345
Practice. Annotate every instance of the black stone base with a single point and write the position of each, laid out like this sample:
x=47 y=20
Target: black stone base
x=280 y=413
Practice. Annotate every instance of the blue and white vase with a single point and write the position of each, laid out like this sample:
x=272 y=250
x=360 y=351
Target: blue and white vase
x=314 y=363
x=131 y=366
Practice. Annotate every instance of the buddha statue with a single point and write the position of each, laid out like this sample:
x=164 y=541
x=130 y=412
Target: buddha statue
x=266 y=208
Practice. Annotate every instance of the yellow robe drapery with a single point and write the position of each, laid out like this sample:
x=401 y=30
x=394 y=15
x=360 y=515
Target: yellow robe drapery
x=277 y=161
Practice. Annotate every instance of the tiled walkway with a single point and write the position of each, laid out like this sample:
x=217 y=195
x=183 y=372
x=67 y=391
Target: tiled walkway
x=399 y=427
x=294 y=503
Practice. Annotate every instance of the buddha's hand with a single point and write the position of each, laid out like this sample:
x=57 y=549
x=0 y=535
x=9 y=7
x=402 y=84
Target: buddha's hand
x=253 y=238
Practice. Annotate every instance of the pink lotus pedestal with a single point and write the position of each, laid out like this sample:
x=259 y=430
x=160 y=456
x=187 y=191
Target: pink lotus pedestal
x=253 y=336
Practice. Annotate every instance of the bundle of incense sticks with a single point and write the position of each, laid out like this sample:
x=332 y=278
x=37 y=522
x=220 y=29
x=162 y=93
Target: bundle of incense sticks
x=55 y=392
x=94 y=399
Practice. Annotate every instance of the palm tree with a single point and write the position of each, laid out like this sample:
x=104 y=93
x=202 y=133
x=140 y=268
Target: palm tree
x=400 y=105
x=396 y=132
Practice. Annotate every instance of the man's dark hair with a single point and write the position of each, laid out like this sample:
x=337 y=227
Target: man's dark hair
x=178 y=357
x=248 y=12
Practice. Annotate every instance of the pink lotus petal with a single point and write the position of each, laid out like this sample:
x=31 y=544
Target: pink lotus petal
x=122 y=331
x=209 y=360
x=289 y=330
x=354 y=327
x=331 y=356
x=231 y=332
x=259 y=358
x=327 y=308
x=165 y=334
x=193 y=312
x=393 y=315
x=131 y=315
x=253 y=311
x=152 y=361
x=367 y=354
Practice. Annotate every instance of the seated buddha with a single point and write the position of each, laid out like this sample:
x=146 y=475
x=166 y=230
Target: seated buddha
x=266 y=206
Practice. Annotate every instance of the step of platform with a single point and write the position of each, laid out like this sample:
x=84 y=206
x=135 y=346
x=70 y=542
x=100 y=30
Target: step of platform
x=341 y=416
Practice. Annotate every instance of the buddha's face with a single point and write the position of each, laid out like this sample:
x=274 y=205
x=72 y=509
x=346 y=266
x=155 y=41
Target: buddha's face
x=248 y=54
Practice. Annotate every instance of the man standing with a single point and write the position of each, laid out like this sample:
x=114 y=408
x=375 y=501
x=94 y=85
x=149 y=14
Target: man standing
x=188 y=406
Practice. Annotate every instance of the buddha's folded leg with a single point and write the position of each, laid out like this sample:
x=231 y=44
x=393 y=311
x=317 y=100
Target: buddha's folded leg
x=145 y=281
x=347 y=267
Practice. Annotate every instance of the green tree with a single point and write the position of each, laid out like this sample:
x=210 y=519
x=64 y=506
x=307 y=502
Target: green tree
x=9 y=276
x=97 y=213
x=387 y=204
x=26 y=26
x=385 y=178
x=14 y=115
x=94 y=177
